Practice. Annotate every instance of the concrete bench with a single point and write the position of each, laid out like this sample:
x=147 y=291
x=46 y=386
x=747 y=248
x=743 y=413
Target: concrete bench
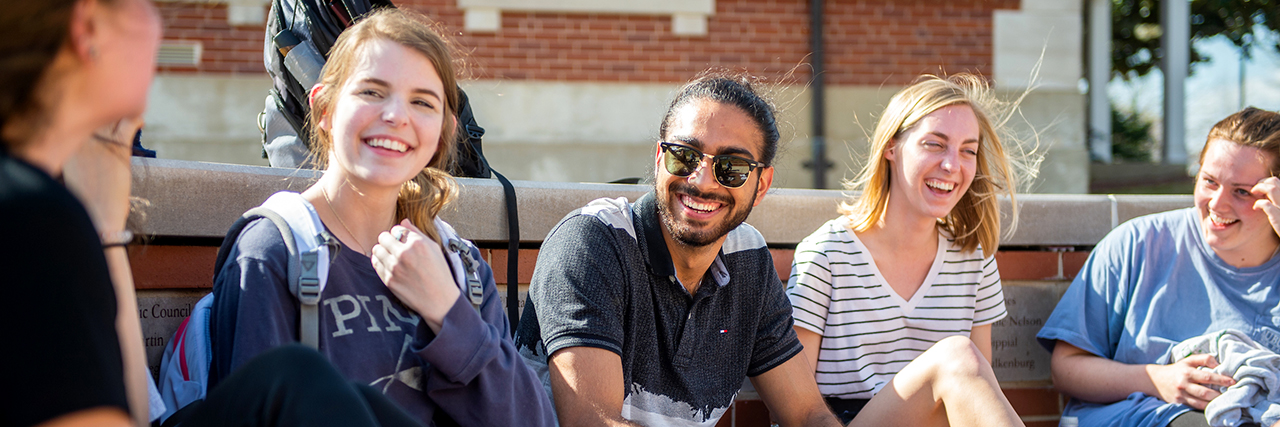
x=192 y=204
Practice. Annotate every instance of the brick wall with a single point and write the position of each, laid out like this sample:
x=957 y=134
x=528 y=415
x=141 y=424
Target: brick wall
x=159 y=267
x=227 y=49
x=869 y=42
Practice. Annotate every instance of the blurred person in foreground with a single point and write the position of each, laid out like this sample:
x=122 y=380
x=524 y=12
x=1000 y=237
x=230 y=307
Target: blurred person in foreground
x=76 y=75
x=73 y=71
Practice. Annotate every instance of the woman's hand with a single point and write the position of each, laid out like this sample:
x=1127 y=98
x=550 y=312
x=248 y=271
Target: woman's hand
x=1268 y=193
x=1186 y=383
x=416 y=271
x=99 y=174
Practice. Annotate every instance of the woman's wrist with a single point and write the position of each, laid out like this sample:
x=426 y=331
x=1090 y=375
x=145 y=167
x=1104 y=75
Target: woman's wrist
x=112 y=239
x=438 y=309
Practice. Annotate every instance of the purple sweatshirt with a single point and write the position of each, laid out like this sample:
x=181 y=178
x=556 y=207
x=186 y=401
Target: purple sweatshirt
x=470 y=371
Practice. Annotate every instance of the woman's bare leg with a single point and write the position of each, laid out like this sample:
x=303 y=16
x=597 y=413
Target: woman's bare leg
x=950 y=384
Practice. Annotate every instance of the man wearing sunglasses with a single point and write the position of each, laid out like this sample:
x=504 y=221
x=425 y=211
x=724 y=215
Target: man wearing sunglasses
x=654 y=312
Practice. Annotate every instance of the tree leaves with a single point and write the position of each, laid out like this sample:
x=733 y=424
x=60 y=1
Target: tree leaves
x=1136 y=29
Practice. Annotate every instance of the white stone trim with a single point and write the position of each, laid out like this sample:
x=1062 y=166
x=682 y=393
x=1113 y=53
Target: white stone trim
x=239 y=12
x=689 y=24
x=688 y=17
x=482 y=19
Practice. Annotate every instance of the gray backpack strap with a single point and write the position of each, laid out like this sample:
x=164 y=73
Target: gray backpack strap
x=303 y=271
x=309 y=301
x=475 y=289
x=304 y=282
x=308 y=290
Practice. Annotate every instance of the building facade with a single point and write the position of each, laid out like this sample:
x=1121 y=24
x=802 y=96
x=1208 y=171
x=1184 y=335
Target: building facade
x=573 y=90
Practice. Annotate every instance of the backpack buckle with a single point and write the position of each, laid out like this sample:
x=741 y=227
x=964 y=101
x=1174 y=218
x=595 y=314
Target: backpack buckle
x=475 y=289
x=309 y=282
x=309 y=291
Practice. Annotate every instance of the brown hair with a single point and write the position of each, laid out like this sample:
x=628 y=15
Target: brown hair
x=1250 y=127
x=424 y=196
x=34 y=33
x=975 y=220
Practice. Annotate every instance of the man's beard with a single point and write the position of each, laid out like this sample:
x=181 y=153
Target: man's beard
x=685 y=234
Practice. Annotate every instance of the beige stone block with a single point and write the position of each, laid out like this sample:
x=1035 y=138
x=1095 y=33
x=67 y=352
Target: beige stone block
x=202 y=200
x=689 y=24
x=206 y=118
x=535 y=112
x=1044 y=49
x=482 y=19
x=572 y=162
x=1052 y=6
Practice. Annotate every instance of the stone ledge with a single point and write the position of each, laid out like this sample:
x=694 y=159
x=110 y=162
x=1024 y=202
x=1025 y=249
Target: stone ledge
x=197 y=199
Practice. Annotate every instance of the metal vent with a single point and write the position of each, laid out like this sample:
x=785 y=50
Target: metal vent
x=179 y=53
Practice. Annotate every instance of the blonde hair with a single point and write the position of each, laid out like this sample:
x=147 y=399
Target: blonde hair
x=975 y=220
x=424 y=196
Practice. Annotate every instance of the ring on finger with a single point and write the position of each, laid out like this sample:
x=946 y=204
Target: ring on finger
x=399 y=233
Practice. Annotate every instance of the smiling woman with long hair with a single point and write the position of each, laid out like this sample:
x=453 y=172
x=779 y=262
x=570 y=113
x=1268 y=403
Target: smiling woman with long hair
x=397 y=313
x=906 y=276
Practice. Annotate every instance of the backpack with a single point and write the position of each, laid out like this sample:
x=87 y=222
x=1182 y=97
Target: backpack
x=184 y=367
x=299 y=34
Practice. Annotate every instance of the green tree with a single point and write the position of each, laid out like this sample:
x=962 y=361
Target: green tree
x=1130 y=136
x=1136 y=29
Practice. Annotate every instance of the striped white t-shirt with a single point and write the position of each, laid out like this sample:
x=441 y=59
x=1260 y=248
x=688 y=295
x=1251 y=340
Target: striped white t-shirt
x=869 y=332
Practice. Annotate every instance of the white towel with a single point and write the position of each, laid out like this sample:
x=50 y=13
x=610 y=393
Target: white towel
x=1255 y=397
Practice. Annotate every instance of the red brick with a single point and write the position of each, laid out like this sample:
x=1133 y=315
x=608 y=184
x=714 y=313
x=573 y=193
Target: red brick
x=750 y=413
x=172 y=267
x=782 y=262
x=1072 y=262
x=1033 y=401
x=765 y=37
x=1027 y=265
x=498 y=261
x=727 y=419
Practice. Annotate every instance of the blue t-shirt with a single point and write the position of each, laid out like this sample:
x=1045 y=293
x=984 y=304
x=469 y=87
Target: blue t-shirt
x=1150 y=284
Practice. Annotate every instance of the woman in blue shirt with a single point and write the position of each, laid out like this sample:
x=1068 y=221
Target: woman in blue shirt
x=1164 y=278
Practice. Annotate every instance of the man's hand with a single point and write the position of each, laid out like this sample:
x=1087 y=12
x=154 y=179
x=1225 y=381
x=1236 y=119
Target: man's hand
x=1184 y=382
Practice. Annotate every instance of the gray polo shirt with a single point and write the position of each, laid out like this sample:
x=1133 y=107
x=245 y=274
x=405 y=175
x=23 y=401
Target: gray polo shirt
x=605 y=279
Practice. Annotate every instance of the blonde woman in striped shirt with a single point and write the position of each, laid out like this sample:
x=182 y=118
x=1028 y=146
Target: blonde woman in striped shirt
x=899 y=292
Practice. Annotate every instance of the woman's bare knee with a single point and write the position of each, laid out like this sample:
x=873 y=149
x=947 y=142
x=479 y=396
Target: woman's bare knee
x=955 y=361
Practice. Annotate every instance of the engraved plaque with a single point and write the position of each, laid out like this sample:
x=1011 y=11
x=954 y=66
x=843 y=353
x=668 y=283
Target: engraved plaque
x=1018 y=356
x=524 y=296
x=161 y=312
